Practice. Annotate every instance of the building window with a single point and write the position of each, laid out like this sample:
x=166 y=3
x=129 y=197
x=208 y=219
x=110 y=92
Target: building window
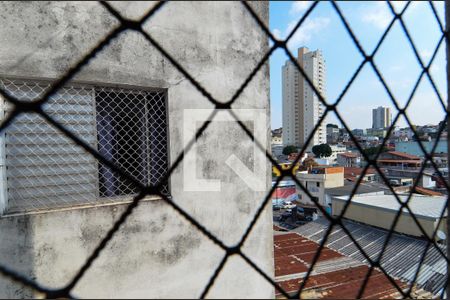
x=132 y=133
x=44 y=169
x=318 y=184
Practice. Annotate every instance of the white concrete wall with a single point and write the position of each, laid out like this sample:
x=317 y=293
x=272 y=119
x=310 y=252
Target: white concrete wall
x=156 y=253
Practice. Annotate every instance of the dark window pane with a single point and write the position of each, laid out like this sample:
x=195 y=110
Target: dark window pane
x=132 y=134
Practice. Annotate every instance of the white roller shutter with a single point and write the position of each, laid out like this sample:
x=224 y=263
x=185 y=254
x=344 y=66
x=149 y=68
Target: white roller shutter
x=45 y=169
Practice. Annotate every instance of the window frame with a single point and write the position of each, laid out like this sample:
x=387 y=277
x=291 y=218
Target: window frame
x=85 y=85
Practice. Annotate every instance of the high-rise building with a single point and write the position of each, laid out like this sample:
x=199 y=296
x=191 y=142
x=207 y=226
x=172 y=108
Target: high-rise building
x=302 y=108
x=381 y=117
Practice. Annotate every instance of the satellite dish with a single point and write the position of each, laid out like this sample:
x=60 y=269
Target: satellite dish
x=441 y=235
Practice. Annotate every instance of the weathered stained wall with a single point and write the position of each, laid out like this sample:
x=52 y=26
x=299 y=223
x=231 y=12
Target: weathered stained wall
x=156 y=253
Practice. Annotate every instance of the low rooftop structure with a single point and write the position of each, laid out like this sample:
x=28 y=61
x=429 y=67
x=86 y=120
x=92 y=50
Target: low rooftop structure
x=400 y=259
x=372 y=188
x=424 y=206
x=400 y=155
x=349 y=154
x=427 y=192
x=381 y=211
x=353 y=173
x=334 y=275
x=396 y=159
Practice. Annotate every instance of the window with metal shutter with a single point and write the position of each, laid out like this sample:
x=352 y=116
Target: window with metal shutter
x=44 y=168
x=41 y=168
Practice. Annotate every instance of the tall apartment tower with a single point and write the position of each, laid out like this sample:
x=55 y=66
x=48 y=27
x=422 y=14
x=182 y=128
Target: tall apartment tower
x=302 y=108
x=381 y=117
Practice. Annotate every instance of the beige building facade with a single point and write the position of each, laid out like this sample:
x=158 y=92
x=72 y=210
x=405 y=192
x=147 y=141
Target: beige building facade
x=380 y=211
x=316 y=181
x=302 y=108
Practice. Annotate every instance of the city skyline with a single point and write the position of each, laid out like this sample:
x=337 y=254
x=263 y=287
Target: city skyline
x=395 y=59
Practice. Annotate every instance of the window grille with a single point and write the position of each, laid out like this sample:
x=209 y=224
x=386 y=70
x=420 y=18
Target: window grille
x=132 y=132
x=45 y=169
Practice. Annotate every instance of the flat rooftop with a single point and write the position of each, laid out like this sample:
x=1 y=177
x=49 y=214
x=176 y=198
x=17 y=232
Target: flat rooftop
x=363 y=188
x=423 y=206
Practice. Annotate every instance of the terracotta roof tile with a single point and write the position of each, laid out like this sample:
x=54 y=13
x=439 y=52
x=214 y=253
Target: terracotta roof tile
x=349 y=154
x=402 y=154
x=340 y=278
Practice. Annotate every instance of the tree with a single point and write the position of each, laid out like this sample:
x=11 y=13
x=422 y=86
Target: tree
x=289 y=149
x=371 y=151
x=332 y=125
x=322 y=150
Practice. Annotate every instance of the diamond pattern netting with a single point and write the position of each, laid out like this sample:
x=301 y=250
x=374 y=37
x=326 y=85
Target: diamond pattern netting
x=142 y=182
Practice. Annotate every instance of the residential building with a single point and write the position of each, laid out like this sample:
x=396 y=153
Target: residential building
x=277 y=140
x=425 y=177
x=277 y=136
x=398 y=160
x=332 y=134
x=301 y=106
x=335 y=150
x=376 y=132
x=404 y=132
x=348 y=159
x=381 y=117
x=277 y=150
x=58 y=202
x=277 y=131
x=380 y=211
x=440 y=159
x=359 y=132
x=316 y=181
x=276 y=146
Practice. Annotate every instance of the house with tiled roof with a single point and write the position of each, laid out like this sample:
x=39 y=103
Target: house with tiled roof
x=399 y=160
x=353 y=173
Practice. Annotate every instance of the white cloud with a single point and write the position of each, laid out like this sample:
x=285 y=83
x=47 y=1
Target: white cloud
x=425 y=54
x=306 y=31
x=378 y=15
x=309 y=28
x=277 y=33
x=399 y=5
x=299 y=6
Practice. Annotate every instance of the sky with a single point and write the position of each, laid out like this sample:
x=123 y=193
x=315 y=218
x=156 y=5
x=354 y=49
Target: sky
x=395 y=58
